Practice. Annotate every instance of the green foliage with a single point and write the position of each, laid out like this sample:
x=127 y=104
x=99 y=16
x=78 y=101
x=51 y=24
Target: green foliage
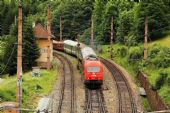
x=125 y=25
x=161 y=80
x=154 y=51
x=85 y=37
x=30 y=48
x=8 y=12
x=159 y=57
x=75 y=16
x=157 y=19
x=154 y=72
x=135 y=54
x=168 y=81
x=123 y=51
x=10 y=48
x=33 y=87
x=103 y=11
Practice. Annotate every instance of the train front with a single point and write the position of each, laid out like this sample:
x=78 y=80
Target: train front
x=93 y=72
x=93 y=69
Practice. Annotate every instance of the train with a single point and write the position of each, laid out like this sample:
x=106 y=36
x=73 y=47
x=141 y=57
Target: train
x=91 y=64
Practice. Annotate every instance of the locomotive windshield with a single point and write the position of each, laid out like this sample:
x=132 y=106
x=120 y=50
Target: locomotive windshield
x=93 y=69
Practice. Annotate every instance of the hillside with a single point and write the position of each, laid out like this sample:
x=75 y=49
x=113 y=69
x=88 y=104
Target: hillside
x=156 y=67
x=165 y=41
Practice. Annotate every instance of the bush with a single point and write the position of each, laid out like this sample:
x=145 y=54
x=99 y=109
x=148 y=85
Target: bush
x=159 y=57
x=130 y=40
x=155 y=49
x=168 y=81
x=161 y=80
x=1 y=67
x=135 y=54
x=162 y=59
x=122 y=51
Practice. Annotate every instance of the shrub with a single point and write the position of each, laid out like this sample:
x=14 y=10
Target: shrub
x=135 y=54
x=159 y=57
x=155 y=49
x=161 y=80
x=123 y=51
x=168 y=81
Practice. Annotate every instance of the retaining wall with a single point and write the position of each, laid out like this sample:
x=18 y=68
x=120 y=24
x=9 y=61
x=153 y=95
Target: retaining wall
x=155 y=101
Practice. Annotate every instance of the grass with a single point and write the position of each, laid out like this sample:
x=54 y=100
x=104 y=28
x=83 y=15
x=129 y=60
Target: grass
x=163 y=41
x=146 y=104
x=33 y=87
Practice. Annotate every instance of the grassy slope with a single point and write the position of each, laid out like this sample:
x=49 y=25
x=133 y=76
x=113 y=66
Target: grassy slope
x=151 y=72
x=33 y=87
x=163 y=42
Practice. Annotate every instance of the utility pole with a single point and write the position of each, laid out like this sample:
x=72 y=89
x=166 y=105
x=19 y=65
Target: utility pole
x=78 y=50
x=146 y=39
x=111 y=38
x=49 y=38
x=19 y=60
x=92 y=33
x=60 y=29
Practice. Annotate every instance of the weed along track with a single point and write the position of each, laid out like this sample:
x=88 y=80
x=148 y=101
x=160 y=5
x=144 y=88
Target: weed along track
x=95 y=101
x=126 y=100
x=66 y=100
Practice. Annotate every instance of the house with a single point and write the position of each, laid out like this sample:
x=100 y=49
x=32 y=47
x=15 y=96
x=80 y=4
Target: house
x=41 y=34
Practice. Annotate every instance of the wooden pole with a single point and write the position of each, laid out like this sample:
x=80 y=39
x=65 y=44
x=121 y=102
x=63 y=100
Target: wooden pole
x=78 y=50
x=146 y=39
x=92 y=33
x=60 y=29
x=111 y=39
x=49 y=38
x=19 y=59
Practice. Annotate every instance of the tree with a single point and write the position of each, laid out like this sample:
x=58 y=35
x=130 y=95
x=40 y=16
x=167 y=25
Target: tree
x=157 y=19
x=30 y=48
x=10 y=51
x=75 y=16
x=125 y=26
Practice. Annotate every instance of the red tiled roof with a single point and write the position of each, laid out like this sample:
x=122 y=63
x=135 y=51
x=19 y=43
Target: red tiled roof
x=40 y=32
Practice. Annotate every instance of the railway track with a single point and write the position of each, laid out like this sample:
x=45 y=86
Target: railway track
x=95 y=101
x=126 y=100
x=66 y=102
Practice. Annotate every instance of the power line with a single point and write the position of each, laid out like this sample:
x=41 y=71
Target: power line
x=8 y=61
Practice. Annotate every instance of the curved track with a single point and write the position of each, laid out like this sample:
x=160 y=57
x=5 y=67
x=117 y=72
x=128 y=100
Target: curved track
x=67 y=91
x=95 y=101
x=126 y=101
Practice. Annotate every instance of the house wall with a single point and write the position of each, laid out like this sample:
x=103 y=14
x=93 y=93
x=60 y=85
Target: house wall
x=43 y=46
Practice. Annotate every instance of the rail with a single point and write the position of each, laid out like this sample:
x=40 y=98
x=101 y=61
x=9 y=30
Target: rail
x=95 y=101
x=126 y=100
x=67 y=92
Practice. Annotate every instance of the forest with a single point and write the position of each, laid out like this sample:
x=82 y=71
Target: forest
x=129 y=18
